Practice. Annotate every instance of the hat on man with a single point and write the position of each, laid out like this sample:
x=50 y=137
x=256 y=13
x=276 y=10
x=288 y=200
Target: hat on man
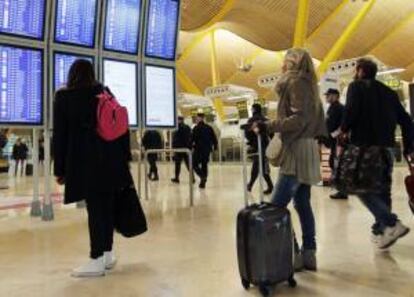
x=332 y=91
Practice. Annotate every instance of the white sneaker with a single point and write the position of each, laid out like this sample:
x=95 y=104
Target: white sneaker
x=94 y=268
x=109 y=260
x=391 y=235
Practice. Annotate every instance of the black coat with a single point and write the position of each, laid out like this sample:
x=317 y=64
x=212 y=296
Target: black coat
x=334 y=119
x=372 y=113
x=204 y=139
x=152 y=140
x=20 y=151
x=89 y=164
x=182 y=137
x=252 y=137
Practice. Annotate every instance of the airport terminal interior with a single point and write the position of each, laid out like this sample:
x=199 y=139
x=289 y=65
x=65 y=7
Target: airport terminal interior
x=178 y=62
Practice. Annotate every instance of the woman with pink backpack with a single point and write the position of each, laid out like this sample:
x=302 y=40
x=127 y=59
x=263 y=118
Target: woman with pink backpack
x=91 y=158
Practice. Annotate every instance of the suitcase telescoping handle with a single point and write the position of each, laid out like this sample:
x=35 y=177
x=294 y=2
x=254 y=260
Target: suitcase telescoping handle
x=261 y=169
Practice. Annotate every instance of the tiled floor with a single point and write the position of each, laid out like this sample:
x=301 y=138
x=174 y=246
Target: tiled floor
x=191 y=252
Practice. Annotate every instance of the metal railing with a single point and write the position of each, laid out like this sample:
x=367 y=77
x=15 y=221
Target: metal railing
x=168 y=150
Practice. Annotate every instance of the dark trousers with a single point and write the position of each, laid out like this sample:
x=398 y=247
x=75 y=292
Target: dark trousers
x=255 y=172
x=178 y=159
x=333 y=163
x=200 y=164
x=100 y=207
x=152 y=161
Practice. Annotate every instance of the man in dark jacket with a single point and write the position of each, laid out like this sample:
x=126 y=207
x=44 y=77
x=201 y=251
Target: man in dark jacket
x=371 y=115
x=204 y=142
x=152 y=140
x=20 y=151
x=251 y=137
x=181 y=139
x=334 y=117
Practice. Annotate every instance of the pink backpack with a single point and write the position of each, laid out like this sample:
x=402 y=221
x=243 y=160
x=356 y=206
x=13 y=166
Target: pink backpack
x=112 y=118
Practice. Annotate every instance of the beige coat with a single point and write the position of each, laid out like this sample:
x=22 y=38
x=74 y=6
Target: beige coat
x=300 y=120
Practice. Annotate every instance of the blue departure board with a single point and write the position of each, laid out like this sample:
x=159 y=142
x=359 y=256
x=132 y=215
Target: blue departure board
x=24 y=18
x=21 y=81
x=62 y=64
x=161 y=36
x=122 y=26
x=75 y=22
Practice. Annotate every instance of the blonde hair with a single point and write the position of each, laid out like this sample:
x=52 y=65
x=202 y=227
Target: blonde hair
x=299 y=61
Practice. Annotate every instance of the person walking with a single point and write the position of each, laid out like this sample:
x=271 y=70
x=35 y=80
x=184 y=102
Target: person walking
x=181 y=139
x=89 y=167
x=334 y=117
x=204 y=142
x=252 y=142
x=19 y=155
x=300 y=121
x=152 y=140
x=372 y=112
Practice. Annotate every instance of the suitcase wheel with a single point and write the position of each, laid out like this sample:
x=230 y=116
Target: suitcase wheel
x=264 y=290
x=292 y=282
x=246 y=284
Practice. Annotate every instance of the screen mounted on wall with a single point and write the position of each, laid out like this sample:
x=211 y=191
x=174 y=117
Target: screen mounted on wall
x=162 y=29
x=24 y=18
x=160 y=96
x=21 y=81
x=122 y=26
x=121 y=78
x=75 y=22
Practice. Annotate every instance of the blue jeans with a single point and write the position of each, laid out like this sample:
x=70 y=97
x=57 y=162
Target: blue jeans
x=380 y=207
x=288 y=187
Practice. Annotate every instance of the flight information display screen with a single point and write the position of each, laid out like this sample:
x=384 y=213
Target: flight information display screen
x=75 y=22
x=121 y=78
x=122 y=26
x=162 y=27
x=21 y=81
x=62 y=64
x=160 y=99
x=24 y=18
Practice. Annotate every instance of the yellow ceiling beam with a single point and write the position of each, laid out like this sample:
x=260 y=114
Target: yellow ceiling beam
x=196 y=41
x=186 y=82
x=249 y=60
x=394 y=30
x=224 y=10
x=327 y=20
x=301 y=28
x=215 y=75
x=340 y=44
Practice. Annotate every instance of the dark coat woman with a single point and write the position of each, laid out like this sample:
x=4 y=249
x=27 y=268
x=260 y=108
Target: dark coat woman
x=91 y=169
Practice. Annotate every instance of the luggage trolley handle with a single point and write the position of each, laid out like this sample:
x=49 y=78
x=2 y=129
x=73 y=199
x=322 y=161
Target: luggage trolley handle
x=261 y=169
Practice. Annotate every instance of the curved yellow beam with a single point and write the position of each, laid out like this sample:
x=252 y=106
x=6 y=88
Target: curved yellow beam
x=327 y=20
x=224 y=10
x=301 y=27
x=340 y=44
x=196 y=41
x=187 y=84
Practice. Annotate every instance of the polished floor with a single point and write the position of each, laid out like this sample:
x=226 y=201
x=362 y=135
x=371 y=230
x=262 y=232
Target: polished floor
x=190 y=252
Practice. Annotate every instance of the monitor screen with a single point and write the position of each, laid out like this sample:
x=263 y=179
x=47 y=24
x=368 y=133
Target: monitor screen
x=121 y=78
x=75 y=22
x=62 y=64
x=24 y=18
x=160 y=97
x=122 y=26
x=162 y=29
x=21 y=81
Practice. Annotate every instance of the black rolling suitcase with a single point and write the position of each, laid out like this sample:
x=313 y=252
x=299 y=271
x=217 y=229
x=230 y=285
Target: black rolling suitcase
x=264 y=241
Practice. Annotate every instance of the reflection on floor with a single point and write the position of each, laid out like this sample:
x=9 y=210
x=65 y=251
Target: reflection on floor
x=191 y=252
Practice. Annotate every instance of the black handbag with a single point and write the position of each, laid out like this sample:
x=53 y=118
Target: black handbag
x=364 y=170
x=129 y=220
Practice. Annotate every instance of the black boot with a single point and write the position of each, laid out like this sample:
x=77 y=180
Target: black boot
x=175 y=180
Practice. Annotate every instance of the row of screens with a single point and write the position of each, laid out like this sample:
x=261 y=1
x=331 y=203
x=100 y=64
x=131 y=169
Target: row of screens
x=75 y=24
x=22 y=92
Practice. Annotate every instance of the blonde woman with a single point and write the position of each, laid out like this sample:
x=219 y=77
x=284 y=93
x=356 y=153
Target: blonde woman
x=300 y=120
